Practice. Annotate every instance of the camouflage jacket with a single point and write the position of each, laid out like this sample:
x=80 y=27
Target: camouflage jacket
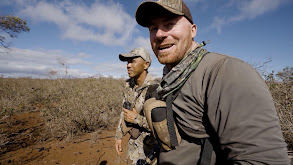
x=136 y=96
x=141 y=146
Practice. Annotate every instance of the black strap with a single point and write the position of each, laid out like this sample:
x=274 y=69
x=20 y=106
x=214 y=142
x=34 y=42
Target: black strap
x=206 y=146
x=170 y=122
x=206 y=153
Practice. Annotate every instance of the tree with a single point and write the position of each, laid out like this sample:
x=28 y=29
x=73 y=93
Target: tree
x=11 y=26
x=286 y=75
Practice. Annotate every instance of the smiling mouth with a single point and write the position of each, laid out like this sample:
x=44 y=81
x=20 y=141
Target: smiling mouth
x=163 y=47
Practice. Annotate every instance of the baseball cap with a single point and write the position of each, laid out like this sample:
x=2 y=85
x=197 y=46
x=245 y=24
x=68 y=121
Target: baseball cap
x=137 y=52
x=147 y=9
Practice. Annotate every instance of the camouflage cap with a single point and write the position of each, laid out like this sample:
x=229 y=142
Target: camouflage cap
x=137 y=52
x=152 y=8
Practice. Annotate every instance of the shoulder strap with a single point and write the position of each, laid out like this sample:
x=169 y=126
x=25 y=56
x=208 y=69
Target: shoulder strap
x=206 y=146
x=206 y=152
x=170 y=122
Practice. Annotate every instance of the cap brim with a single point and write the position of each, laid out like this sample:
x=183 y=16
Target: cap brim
x=147 y=9
x=125 y=56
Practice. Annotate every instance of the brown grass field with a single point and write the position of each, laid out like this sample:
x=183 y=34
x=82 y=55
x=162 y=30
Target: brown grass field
x=72 y=121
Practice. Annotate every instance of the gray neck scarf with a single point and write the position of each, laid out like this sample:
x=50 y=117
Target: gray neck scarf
x=181 y=72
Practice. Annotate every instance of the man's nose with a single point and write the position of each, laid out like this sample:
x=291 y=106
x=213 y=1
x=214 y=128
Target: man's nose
x=161 y=33
x=128 y=64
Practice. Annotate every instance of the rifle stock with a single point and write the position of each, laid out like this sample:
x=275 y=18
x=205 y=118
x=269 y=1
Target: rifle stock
x=148 y=160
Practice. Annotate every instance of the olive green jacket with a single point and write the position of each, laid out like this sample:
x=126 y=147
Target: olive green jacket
x=226 y=96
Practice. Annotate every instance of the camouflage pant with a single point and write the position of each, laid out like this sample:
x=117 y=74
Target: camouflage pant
x=139 y=148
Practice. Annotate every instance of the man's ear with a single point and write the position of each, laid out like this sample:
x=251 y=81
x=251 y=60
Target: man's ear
x=193 y=30
x=146 y=65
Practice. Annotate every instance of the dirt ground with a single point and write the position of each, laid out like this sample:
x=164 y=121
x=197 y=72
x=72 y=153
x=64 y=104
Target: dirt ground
x=23 y=140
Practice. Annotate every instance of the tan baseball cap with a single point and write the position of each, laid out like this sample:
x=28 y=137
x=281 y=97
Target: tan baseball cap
x=137 y=52
x=148 y=9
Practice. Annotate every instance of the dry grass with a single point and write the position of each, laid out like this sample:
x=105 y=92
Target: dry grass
x=74 y=106
x=282 y=92
x=70 y=106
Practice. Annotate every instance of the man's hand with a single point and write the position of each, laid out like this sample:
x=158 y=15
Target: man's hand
x=118 y=147
x=129 y=116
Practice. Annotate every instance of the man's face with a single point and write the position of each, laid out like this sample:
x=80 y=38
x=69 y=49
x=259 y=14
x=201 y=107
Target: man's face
x=171 y=38
x=136 y=66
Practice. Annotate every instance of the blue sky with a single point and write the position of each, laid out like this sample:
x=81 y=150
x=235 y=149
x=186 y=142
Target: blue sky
x=87 y=36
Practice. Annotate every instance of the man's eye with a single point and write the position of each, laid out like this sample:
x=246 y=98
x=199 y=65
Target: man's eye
x=152 y=29
x=171 y=23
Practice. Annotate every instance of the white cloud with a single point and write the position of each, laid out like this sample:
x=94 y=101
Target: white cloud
x=245 y=9
x=218 y=23
x=105 y=23
x=112 y=69
x=156 y=70
x=253 y=8
x=83 y=55
x=143 y=42
x=38 y=63
x=119 y=70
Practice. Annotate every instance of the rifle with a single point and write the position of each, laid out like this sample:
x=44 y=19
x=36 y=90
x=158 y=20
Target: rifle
x=154 y=153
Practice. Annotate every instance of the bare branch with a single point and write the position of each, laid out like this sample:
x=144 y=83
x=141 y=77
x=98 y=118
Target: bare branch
x=12 y=26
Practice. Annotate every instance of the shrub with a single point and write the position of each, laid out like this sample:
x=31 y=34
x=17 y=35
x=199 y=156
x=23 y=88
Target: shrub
x=84 y=105
x=70 y=106
x=281 y=87
x=74 y=106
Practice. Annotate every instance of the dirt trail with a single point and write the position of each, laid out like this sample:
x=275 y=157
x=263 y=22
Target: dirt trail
x=27 y=144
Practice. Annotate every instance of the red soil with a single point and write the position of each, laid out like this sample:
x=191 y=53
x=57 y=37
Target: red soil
x=28 y=143
x=24 y=140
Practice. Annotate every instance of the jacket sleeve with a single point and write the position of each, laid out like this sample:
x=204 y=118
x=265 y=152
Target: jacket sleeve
x=140 y=119
x=242 y=113
x=119 y=129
